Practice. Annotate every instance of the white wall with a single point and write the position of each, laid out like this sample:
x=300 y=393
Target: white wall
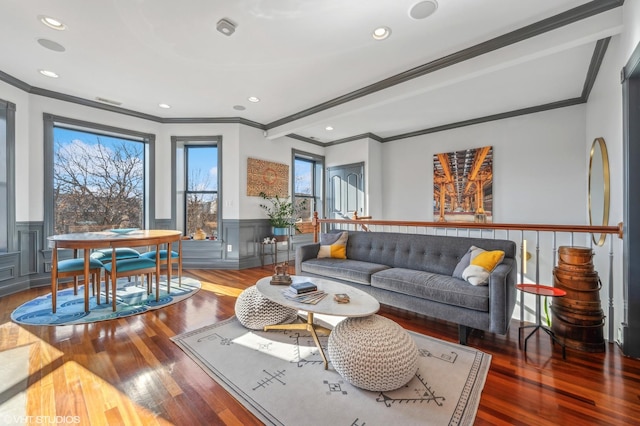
x=375 y=183
x=539 y=168
x=253 y=144
x=604 y=119
x=631 y=32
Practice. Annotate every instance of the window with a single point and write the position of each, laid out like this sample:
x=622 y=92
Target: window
x=7 y=190
x=197 y=180
x=201 y=192
x=98 y=177
x=307 y=183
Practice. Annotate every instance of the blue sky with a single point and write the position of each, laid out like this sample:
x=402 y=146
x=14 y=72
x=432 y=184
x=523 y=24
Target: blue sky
x=205 y=159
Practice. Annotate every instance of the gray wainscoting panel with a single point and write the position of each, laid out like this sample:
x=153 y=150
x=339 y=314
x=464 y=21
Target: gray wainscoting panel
x=10 y=281
x=8 y=266
x=29 y=245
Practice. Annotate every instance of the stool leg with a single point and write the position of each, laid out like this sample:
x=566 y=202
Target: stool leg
x=96 y=281
x=106 y=287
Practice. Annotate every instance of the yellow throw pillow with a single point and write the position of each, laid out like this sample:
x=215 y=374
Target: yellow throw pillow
x=481 y=264
x=336 y=250
x=488 y=259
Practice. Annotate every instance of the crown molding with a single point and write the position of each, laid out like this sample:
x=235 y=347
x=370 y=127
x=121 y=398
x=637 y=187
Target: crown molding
x=487 y=118
x=213 y=120
x=305 y=139
x=92 y=104
x=594 y=66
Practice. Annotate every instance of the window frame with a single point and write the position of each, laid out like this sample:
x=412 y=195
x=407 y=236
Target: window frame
x=8 y=115
x=317 y=186
x=187 y=192
x=51 y=121
x=180 y=143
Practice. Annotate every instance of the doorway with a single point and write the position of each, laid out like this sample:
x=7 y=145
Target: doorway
x=345 y=191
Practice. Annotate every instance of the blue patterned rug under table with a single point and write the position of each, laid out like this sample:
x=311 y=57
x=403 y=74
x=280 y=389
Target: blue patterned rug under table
x=279 y=376
x=132 y=299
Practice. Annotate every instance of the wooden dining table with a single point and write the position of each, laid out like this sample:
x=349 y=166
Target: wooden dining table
x=114 y=239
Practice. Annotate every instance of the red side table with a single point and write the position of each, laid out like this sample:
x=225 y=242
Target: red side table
x=540 y=290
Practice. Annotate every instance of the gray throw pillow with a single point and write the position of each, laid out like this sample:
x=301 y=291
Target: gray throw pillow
x=331 y=238
x=462 y=264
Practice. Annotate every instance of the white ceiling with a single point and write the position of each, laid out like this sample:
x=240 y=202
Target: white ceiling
x=297 y=55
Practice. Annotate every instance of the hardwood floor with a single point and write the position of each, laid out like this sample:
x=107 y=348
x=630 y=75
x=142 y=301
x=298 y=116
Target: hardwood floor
x=128 y=372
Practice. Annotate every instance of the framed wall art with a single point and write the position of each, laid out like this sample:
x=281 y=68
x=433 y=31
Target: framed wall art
x=463 y=186
x=268 y=177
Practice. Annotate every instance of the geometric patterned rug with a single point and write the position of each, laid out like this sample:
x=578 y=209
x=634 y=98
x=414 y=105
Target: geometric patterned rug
x=279 y=376
x=131 y=299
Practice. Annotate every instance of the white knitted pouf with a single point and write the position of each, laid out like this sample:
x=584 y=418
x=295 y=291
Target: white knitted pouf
x=373 y=353
x=254 y=311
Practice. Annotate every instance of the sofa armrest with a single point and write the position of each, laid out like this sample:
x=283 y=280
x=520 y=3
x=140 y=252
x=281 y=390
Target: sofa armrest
x=502 y=295
x=305 y=252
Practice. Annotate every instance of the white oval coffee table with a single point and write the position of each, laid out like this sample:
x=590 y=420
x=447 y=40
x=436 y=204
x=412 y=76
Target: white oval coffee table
x=361 y=304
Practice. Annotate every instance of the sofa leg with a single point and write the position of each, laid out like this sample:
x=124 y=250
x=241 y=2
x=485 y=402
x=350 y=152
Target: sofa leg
x=463 y=333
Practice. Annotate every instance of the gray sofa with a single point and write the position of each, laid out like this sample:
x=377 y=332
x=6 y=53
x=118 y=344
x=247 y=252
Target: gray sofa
x=414 y=272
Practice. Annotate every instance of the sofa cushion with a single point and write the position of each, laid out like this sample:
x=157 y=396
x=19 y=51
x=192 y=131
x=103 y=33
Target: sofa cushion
x=481 y=263
x=435 y=287
x=334 y=245
x=430 y=253
x=343 y=269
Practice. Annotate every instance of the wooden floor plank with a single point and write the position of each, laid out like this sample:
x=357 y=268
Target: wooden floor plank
x=128 y=371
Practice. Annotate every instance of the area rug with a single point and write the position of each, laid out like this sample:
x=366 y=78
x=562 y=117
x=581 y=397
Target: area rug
x=279 y=377
x=132 y=299
x=14 y=370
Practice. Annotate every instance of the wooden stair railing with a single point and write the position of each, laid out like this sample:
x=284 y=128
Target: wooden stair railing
x=358 y=222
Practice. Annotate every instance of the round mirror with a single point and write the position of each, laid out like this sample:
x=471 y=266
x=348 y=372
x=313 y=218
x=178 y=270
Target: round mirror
x=599 y=188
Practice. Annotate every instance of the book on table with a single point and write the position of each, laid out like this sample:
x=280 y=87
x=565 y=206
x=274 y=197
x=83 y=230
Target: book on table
x=310 y=297
x=303 y=287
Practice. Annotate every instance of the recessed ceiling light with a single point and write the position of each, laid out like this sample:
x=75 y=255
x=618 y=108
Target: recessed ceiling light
x=239 y=107
x=165 y=106
x=423 y=9
x=52 y=23
x=381 y=33
x=328 y=128
x=51 y=45
x=48 y=73
x=253 y=99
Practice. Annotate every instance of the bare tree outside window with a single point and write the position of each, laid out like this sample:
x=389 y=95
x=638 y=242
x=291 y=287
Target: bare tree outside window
x=98 y=182
x=201 y=195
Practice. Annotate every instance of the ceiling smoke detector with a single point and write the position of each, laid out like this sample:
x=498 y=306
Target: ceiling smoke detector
x=226 y=27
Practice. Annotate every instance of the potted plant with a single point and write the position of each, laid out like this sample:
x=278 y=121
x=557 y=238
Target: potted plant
x=282 y=213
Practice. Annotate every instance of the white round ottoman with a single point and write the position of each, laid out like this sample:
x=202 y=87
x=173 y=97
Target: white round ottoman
x=373 y=353
x=254 y=311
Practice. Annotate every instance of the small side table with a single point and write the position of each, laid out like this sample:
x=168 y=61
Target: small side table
x=271 y=251
x=540 y=290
